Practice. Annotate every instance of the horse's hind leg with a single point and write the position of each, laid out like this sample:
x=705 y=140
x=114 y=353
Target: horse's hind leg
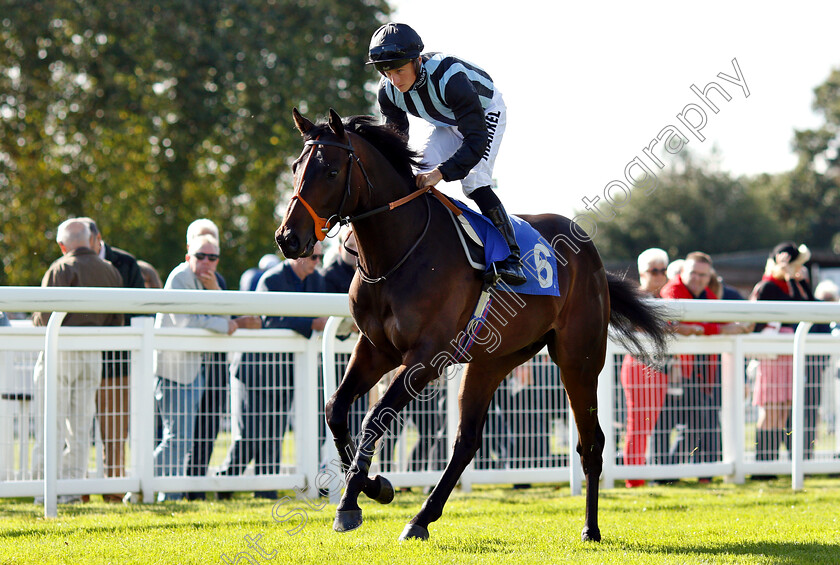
x=365 y=368
x=581 y=358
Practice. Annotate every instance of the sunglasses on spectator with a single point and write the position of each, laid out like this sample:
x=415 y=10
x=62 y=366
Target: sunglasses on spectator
x=209 y=256
x=316 y=257
x=657 y=271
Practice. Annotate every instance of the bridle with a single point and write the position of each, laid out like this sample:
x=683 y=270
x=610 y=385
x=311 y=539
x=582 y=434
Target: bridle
x=323 y=225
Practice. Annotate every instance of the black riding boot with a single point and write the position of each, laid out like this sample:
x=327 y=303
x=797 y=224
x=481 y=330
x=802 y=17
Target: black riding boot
x=510 y=269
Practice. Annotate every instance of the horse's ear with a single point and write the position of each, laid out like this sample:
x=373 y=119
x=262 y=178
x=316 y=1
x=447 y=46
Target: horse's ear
x=303 y=125
x=335 y=124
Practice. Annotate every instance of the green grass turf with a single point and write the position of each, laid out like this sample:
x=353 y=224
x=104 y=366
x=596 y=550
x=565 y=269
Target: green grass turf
x=683 y=523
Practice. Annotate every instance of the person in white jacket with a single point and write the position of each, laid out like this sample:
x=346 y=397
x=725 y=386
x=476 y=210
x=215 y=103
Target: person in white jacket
x=179 y=381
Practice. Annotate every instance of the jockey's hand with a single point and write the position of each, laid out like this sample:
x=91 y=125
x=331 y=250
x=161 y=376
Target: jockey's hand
x=429 y=179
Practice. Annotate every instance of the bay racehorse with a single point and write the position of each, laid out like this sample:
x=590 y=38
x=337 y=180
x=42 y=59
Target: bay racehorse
x=414 y=292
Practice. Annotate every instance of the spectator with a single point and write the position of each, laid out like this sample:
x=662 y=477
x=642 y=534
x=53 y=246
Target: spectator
x=339 y=273
x=214 y=397
x=699 y=402
x=674 y=268
x=268 y=378
x=652 y=264
x=721 y=289
x=180 y=375
x=773 y=386
x=151 y=279
x=4 y=320
x=204 y=226
x=250 y=278
x=827 y=291
x=112 y=401
x=644 y=387
x=79 y=372
x=815 y=370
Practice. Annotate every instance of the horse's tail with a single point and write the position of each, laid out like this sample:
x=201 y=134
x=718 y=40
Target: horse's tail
x=630 y=315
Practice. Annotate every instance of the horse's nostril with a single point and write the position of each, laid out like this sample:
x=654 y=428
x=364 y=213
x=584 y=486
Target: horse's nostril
x=288 y=242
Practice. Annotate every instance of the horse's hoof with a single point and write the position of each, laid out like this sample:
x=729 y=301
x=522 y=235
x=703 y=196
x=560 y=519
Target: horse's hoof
x=593 y=534
x=347 y=520
x=413 y=531
x=386 y=490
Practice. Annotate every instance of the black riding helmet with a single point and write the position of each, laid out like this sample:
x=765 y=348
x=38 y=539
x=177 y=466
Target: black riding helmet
x=392 y=46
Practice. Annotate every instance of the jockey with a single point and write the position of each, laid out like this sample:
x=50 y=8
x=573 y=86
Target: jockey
x=469 y=116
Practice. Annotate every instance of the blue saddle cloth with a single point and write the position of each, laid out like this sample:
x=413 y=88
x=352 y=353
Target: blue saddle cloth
x=538 y=259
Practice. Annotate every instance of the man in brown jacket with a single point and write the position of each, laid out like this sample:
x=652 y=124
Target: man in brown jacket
x=79 y=372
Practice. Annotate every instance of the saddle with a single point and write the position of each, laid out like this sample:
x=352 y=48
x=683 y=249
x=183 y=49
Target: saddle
x=471 y=243
x=483 y=245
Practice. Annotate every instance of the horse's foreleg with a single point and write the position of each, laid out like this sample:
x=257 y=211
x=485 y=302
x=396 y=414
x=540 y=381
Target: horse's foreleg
x=475 y=396
x=409 y=379
x=365 y=368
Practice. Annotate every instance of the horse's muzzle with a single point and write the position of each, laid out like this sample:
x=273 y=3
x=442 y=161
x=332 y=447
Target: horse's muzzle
x=290 y=244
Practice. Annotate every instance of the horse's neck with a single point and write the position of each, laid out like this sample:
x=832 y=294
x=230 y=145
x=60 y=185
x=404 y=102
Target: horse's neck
x=383 y=239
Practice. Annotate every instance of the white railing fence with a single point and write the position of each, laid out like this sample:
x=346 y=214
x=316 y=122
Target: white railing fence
x=527 y=437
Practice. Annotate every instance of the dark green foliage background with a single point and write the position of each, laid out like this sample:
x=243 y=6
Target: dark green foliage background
x=148 y=115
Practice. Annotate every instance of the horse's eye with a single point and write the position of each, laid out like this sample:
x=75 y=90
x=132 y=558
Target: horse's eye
x=332 y=174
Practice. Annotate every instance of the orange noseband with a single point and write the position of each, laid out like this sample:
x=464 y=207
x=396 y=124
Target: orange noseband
x=322 y=225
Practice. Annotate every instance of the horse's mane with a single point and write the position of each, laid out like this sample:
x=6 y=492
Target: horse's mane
x=387 y=140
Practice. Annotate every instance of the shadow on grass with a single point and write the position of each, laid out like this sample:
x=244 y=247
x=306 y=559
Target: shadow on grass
x=207 y=516
x=775 y=552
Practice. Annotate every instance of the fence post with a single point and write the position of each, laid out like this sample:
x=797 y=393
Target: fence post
x=51 y=460
x=7 y=424
x=142 y=411
x=733 y=424
x=798 y=415
x=330 y=452
x=606 y=417
x=306 y=413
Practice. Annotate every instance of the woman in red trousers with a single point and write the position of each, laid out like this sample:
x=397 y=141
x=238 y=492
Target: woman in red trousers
x=644 y=388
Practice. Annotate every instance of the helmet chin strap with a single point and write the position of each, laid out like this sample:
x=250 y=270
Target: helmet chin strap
x=419 y=74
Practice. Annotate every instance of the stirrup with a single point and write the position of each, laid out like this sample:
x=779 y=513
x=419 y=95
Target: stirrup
x=492 y=276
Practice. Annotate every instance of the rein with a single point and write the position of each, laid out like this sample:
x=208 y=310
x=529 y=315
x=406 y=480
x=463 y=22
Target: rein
x=323 y=225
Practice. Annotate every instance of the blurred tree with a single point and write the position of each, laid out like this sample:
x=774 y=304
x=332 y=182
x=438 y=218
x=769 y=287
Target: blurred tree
x=147 y=115
x=806 y=199
x=694 y=208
